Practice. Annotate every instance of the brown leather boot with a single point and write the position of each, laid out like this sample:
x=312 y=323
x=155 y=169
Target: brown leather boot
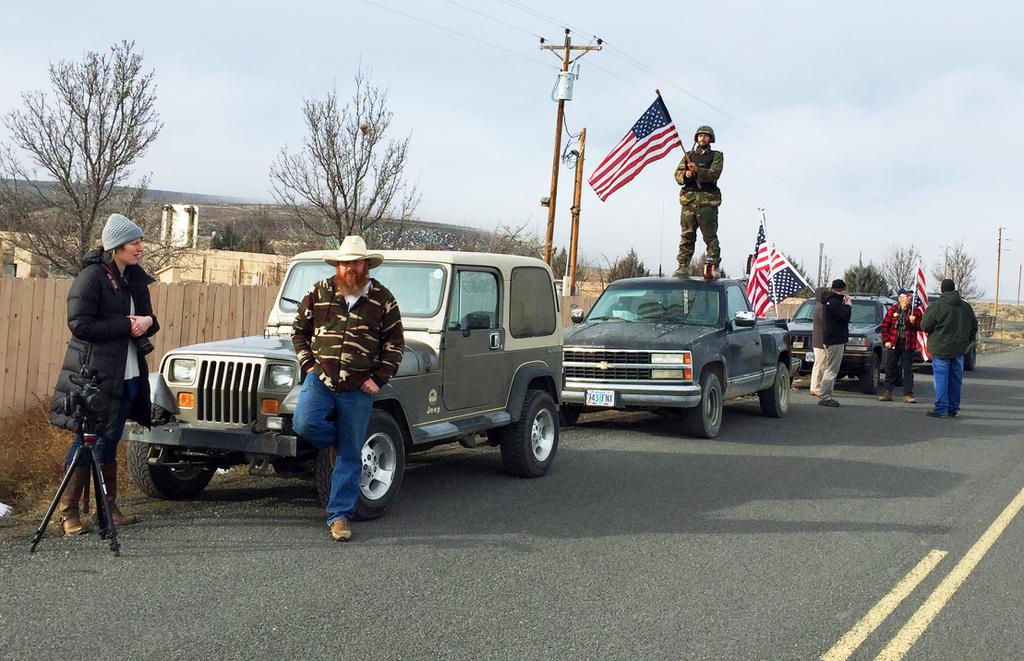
x=886 y=396
x=69 y=518
x=340 y=531
x=110 y=477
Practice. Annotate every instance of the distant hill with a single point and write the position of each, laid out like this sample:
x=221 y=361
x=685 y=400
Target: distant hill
x=157 y=196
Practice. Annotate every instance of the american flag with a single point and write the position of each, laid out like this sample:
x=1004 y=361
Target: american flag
x=772 y=277
x=921 y=299
x=651 y=138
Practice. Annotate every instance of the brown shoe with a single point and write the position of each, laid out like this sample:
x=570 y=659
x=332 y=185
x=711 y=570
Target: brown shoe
x=909 y=399
x=815 y=393
x=340 y=531
x=69 y=518
x=110 y=478
x=886 y=396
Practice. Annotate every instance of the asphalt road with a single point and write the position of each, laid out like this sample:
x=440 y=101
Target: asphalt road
x=771 y=542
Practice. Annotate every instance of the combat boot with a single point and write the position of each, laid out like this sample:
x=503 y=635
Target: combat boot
x=69 y=516
x=110 y=478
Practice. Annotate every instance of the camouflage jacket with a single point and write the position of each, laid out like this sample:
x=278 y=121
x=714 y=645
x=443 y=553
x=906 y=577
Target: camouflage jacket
x=348 y=346
x=703 y=188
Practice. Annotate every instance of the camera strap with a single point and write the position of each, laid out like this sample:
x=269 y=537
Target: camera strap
x=114 y=284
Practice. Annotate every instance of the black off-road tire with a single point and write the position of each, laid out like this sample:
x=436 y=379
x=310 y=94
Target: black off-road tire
x=870 y=378
x=570 y=414
x=528 y=446
x=382 y=432
x=705 y=419
x=161 y=481
x=775 y=399
x=971 y=358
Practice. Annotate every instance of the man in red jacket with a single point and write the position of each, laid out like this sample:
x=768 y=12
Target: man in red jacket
x=899 y=334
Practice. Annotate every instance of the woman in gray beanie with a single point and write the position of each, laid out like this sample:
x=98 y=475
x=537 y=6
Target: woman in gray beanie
x=110 y=317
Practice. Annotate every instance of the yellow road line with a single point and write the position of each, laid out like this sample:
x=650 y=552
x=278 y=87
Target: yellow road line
x=919 y=621
x=849 y=643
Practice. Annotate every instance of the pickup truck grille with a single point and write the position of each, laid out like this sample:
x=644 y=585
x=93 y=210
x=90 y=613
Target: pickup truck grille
x=607 y=356
x=226 y=391
x=611 y=373
x=606 y=364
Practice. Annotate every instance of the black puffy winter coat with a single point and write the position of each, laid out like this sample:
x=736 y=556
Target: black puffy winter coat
x=98 y=309
x=831 y=319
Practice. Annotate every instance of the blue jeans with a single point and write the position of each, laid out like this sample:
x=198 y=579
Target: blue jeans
x=106 y=448
x=346 y=432
x=948 y=374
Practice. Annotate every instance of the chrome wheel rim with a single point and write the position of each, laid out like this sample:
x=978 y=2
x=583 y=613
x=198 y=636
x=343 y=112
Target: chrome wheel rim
x=782 y=383
x=380 y=459
x=542 y=435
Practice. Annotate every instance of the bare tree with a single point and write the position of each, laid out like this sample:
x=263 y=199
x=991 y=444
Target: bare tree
x=627 y=266
x=83 y=140
x=826 y=271
x=961 y=267
x=347 y=178
x=900 y=266
x=507 y=239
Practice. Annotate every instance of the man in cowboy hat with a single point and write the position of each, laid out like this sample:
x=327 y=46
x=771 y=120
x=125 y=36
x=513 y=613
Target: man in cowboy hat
x=700 y=196
x=348 y=338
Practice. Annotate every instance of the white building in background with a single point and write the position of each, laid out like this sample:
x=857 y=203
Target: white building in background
x=179 y=225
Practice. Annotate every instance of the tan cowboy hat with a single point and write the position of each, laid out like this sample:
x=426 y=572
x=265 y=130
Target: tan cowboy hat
x=353 y=249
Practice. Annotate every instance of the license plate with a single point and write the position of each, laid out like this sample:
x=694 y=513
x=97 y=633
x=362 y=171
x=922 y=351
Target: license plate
x=600 y=398
x=798 y=344
x=810 y=357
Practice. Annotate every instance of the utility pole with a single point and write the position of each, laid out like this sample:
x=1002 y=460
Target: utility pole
x=821 y=255
x=574 y=241
x=565 y=94
x=1020 y=270
x=999 y=259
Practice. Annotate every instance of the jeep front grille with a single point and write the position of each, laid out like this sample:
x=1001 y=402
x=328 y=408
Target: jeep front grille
x=226 y=391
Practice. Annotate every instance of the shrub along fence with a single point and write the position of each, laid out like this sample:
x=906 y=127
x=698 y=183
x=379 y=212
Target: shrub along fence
x=34 y=335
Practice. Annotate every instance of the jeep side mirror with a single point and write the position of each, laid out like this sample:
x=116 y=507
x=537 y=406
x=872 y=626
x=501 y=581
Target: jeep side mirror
x=745 y=319
x=576 y=316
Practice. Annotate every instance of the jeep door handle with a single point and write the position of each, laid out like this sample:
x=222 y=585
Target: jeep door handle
x=495 y=341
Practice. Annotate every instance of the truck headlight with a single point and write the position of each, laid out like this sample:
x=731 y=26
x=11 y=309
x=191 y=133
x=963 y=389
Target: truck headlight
x=859 y=343
x=183 y=370
x=671 y=358
x=280 y=376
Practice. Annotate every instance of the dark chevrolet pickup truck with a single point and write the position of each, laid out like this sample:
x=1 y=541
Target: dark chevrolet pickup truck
x=675 y=343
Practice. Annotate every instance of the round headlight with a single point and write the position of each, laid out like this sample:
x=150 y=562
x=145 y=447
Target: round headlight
x=183 y=370
x=280 y=376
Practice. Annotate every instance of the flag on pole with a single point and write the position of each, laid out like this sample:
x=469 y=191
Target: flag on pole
x=772 y=278
x=921 y=299
x=651 y=138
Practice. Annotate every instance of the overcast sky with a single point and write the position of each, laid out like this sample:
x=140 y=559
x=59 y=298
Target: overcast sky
x=859 y=125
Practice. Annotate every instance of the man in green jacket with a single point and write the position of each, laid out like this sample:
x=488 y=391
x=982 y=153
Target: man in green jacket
x=951 y=326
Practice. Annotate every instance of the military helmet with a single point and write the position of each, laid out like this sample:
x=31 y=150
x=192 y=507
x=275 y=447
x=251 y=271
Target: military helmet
x=704 y=129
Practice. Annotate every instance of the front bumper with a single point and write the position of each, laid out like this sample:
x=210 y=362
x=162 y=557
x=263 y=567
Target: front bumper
x=635 y=394
x=853 y=361
x=182 y=434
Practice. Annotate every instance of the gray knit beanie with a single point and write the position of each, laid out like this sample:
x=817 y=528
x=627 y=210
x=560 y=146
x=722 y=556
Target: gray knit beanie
x=118 y=231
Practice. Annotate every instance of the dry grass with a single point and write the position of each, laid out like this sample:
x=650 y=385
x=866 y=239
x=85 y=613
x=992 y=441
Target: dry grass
x=32 y=455
x=1006 y=312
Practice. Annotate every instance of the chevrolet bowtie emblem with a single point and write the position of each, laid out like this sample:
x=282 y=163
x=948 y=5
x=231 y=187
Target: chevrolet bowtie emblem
x=603 y=365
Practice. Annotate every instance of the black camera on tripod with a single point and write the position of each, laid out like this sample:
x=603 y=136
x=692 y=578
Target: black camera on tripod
x=87 y=405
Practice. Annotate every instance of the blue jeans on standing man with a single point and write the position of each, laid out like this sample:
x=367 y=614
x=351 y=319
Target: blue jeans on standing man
x=346 y=432
x=106 y=448
x=948 y=374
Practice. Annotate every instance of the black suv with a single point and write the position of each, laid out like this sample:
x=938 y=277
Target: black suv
x=863 y=356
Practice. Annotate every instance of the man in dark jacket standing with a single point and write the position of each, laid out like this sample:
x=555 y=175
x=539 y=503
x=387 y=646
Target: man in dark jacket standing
x=831 y=331
x=951 y=326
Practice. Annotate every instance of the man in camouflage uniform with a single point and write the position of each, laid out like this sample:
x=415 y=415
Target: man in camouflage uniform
x=349 y=341
x=700 y=196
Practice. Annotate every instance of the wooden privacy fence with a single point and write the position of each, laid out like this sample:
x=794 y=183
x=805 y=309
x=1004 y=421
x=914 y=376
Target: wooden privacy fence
x=34 y=331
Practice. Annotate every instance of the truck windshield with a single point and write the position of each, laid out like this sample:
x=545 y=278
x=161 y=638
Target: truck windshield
x=863 y=312
x=682 y=305
x=417 y=287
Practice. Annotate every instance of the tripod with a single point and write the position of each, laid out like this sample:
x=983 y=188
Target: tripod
x=85 y=453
